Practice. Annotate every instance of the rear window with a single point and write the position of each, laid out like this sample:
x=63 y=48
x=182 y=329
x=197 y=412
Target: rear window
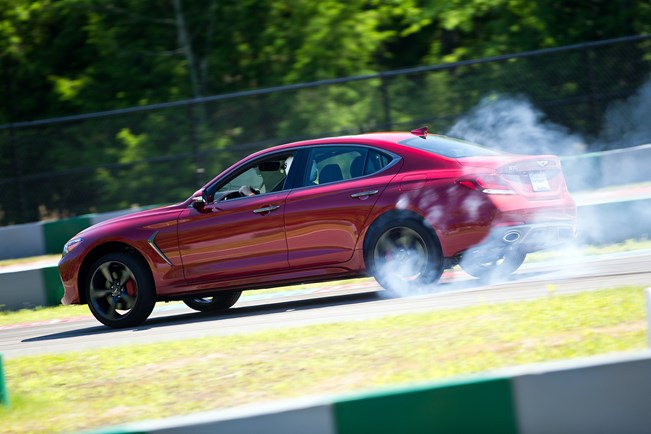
x=448 y=147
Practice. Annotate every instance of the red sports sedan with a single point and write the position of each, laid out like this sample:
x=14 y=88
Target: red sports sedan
x=398 y=206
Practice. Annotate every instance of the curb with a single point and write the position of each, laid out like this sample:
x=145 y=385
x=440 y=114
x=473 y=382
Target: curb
x=600 y=394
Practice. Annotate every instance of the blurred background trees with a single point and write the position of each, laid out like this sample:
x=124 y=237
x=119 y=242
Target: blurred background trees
x=68 y=57
x=61 y=57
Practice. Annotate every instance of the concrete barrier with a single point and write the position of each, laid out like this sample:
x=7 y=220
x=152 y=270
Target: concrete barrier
x=603 y=394
x=30 y=287
x=614 y=222
x=48 y=237
x=22 y=241
x=617 y=167
x=600 y=220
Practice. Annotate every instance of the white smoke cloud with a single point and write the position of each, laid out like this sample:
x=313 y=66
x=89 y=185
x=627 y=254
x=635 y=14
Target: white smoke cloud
x=627 y=122
x=513 y=124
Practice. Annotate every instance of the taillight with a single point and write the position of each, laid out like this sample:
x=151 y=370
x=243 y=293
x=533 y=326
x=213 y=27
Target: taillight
x=489 y=184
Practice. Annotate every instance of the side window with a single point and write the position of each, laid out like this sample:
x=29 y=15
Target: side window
x=376 y=162
x=263 y=176
x=334 y=163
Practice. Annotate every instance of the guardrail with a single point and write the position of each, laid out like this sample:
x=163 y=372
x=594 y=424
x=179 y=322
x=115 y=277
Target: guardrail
x=600 y=394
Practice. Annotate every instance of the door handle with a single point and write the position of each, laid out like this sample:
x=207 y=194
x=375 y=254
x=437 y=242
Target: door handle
x=364 y=193
x=266 y=209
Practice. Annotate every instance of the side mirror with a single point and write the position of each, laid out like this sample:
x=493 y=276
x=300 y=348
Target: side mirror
x=199 y=201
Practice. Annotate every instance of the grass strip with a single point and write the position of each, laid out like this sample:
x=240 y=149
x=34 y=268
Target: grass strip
x=82 y=390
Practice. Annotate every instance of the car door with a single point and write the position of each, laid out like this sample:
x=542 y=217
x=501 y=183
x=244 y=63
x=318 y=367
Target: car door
x=324 y=216
x=234 y=236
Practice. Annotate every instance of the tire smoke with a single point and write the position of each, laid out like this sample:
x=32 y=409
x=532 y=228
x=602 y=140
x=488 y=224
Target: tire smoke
x=513 y=124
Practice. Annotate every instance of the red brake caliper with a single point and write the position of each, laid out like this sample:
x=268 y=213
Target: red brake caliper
x=130 y=287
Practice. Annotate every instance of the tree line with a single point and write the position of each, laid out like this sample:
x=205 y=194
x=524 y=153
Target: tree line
x=61 y=57
x=67 y=57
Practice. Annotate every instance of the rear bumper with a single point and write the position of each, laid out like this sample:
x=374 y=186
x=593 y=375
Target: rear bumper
x=532 y=237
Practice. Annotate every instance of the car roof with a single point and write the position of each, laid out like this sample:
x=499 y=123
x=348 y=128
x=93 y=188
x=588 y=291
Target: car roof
x=368 y=138
x=389 y=140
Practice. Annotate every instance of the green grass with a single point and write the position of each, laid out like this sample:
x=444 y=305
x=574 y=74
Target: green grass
x=41 y=314
x=19 y=261
x=82 y=390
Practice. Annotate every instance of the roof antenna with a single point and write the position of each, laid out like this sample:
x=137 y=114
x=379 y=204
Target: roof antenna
x=421 y=132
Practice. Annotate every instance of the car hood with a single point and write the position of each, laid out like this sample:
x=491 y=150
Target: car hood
x=152 y=218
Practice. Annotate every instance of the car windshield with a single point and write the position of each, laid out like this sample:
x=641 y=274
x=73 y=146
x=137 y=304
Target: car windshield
x=448 y=147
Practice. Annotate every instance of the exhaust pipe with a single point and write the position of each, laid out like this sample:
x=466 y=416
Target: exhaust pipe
x=511 y=236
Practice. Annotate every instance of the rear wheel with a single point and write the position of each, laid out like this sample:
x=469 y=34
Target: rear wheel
x=491 y=264
x=404 y=256
x=120 y=290
x=216 y=303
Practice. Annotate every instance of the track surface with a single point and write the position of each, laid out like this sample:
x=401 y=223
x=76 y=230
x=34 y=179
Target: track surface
x=330 y=304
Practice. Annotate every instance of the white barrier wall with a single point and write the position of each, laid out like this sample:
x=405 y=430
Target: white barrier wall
x=22 y=241
x=47 y=237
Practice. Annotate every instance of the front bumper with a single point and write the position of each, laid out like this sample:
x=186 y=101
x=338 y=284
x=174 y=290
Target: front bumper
x=68 y=269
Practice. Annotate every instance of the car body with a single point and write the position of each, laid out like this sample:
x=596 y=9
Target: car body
x=398 y=206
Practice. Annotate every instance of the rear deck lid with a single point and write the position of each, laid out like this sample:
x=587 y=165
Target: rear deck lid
x=535 y=177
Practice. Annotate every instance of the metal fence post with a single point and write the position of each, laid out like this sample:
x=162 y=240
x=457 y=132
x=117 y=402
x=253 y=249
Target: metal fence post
x=386 y=104
x=18 y=165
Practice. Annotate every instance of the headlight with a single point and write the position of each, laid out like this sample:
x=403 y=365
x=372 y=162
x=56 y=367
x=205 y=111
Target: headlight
x=71 y=245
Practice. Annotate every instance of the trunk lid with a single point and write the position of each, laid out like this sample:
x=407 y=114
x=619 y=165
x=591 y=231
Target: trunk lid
x=537 y=177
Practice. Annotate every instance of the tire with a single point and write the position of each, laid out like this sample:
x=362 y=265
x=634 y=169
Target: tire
x=217 y=303
x=404 y=256
x=120 y=290
x=486 y=264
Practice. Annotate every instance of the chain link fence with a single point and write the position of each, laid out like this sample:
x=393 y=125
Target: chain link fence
x=161 y=153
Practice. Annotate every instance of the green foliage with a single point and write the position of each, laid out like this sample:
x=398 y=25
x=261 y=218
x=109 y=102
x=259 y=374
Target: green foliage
x=66 y=57
x=75 y=56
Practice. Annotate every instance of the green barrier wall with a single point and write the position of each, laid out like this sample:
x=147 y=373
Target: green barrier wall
x=4 y=396
x=466 y=407
x=57 y=233
x=53 y=286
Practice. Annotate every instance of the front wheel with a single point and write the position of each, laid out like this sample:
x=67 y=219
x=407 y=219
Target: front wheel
x=217 y=303
x=120 y=290
x=404 y=256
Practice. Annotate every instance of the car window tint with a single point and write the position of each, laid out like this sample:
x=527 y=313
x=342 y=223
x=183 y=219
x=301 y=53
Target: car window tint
x=334 y=163
x=264 y=175
x=448 y=147
x=376 y=161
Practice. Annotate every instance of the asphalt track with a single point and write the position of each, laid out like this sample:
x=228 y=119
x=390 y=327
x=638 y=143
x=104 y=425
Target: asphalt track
x=331 y=303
